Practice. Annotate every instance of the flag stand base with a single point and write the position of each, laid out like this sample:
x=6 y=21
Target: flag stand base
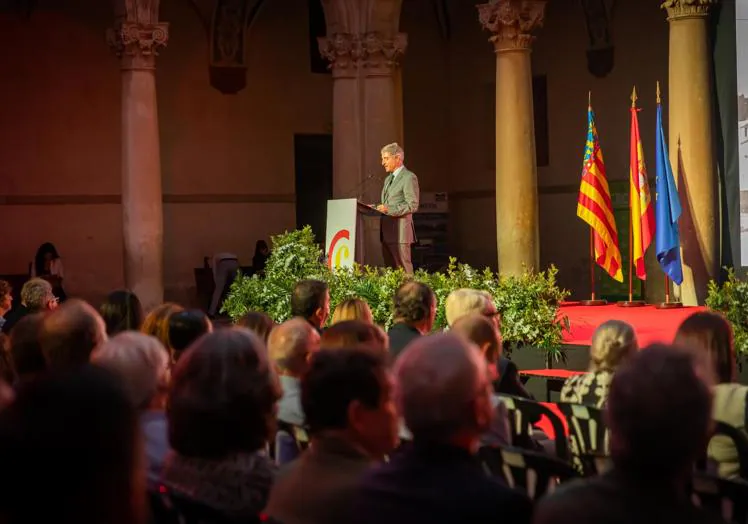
x=632 y=303
x=669 y=305
x=593 y=302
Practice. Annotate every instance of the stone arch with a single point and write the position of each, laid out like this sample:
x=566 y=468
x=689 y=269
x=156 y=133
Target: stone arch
x=362 y=16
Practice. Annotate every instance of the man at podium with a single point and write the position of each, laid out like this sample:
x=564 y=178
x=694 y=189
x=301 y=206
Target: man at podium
x=399 y=201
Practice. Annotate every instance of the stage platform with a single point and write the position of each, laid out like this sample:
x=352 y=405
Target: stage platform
x=651 y=324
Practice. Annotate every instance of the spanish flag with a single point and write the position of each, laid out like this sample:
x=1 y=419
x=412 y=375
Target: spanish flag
x=642 y=212
x=594 y=205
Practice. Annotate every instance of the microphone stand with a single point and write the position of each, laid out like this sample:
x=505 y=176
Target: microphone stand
x=358 y=187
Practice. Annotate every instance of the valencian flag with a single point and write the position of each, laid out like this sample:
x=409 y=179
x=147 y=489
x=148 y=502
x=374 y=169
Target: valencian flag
x=668 y=210
x=594 y=205
x=642 y=214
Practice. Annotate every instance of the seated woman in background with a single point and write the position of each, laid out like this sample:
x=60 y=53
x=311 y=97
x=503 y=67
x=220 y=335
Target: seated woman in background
x=612 y=343
x=352 y=309
x=352 y=333
x=121 y=311
x=260 y=259
x=258 y=323
x=48 y=265
x=711 y=334
x=156 y=323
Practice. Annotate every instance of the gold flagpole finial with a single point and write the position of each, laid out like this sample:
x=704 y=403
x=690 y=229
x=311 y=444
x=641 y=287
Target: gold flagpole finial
x=633 y=97
x=658 y=92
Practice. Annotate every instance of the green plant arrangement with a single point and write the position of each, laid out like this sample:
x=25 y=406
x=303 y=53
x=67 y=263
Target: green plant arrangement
x=731 y=299
x=529 y=304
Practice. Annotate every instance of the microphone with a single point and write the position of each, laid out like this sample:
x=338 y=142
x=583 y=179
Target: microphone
x=358 y=188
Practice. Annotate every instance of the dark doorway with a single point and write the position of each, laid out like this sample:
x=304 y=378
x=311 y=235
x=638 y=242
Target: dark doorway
x=313 y=161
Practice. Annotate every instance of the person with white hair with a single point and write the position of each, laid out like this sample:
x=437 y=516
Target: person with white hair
x=400 y=197
x=443 y=390
x=142 y=364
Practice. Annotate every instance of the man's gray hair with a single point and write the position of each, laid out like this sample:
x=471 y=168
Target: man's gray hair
x=394 y=149
x=436 y=380
x=141 y=362
x=289 y=345
x=465 y=301
x=36 y=293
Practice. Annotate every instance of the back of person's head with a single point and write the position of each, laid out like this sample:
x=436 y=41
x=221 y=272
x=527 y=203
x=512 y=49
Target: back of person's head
x=82 y=430
x=185 y=327
x=464 y=301
x=659 y=411
x=711 y=333
x=414 y=303
x=442 y=388
x=141 y=361
x=612 y=342
x=6 y=295
x=26 y=348
x=156 y=322
x=349 y=333
x=70 y=333
x=352 y=309
x=222 y=397
x=291 y=345
x=258 y=323
x=310 y=301
x=36 y=294
x=121 y=311
x=350 y=389
x=480 y=331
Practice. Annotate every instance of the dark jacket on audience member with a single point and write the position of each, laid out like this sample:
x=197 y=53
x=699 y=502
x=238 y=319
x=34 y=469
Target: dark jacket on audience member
x=401 y=335
x=614 y=498
x=509 y=382
x=319 y=486
x=436 y=484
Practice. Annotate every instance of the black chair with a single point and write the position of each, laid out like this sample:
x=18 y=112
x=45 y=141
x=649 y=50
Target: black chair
x=534 y=473
x=727 y=498
x=738 y=439
x=523 y=413
x=588 y=437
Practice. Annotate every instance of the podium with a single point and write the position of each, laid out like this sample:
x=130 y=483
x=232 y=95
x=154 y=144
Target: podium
x=344 y=238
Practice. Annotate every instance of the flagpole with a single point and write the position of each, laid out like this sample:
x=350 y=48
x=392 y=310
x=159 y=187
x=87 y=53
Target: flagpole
x=593 y=301
x=631 y=302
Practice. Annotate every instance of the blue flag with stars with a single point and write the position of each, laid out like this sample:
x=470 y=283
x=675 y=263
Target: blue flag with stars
x=667 y=211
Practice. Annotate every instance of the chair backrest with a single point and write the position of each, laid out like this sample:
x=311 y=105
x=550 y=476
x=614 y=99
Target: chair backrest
x=523 y=413
x=588 y=437
x=290 y=441
x=535 y=473
x=727 y=498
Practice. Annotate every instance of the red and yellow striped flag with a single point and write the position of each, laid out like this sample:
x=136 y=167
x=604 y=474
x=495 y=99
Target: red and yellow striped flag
x=642 y=212
x=594 y=205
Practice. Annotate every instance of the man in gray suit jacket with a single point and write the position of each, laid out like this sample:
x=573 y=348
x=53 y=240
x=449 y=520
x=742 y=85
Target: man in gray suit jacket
x=399 y=201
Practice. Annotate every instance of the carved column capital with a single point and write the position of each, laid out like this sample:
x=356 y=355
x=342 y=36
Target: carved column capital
x=687 y=8
x=138 y=44
x=512 y=22
x=375 y=54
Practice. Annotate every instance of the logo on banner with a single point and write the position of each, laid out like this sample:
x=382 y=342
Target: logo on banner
x=340 y=250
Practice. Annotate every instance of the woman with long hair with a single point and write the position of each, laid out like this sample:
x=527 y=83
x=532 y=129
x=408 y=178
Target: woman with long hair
x=48 y=265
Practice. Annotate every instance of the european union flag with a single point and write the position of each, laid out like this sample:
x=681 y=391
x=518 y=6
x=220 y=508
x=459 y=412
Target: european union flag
x=668 y=210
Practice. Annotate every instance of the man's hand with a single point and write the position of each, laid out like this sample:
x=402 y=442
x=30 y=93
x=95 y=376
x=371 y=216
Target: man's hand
x=382 y=208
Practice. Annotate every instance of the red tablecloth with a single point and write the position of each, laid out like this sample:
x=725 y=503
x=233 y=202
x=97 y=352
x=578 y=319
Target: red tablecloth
x=551 y=373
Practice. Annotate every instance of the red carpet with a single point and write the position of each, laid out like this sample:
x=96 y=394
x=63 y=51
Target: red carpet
x=651 y=324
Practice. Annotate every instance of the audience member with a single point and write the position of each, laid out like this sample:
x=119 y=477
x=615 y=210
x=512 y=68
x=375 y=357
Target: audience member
x=156 y=322
x=36 y=296
x=659 y=416
x=482 y=332
x=352 y=309
x=414 y=315
x=310 y=300
x=26 y=349
x=444 y=392
x=461 y=302
x=7 y=372
x=6 y=300
x=613 y=342
x=258 y=323
x=260 y=258
x=290 y=347
x=48 y=265
x=70 y=334
x=352 y=419
x=710 y=334
x=185 y=327
x=221 y=412
x=349 y=333
x=143 y=365
x=121 y=311
x=70 y=447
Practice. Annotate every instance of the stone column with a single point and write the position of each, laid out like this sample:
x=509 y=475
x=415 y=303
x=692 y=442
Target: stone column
x=511 y=22
x=365 y=118
x=136 y=39
x=691 y=136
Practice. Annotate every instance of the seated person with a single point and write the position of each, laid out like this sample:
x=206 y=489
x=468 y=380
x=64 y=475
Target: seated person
x=185 y=327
